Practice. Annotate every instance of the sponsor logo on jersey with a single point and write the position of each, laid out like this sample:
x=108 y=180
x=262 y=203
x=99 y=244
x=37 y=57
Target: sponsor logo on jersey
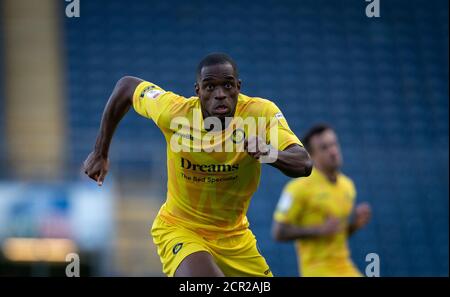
x=279 y=115
x=186 y=164
x=151 y=92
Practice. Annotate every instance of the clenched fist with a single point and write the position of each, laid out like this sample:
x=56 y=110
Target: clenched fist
x=363 y=213
x=96 y=167
x=257 y=148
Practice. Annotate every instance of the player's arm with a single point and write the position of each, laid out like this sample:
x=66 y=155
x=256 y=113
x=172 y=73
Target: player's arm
x=293 y=161
x=282 y=150
x=361 y=217
x=291 y=208
x=97 y=163
x=286 y=231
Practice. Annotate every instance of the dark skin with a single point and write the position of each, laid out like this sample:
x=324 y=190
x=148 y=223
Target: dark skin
x=218 y=88
x=198 y=264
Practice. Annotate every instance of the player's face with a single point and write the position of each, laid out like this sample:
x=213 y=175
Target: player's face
x=326 y=151
x=218 y=90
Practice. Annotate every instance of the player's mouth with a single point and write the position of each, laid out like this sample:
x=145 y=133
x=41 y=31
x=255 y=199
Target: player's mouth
x=221 y=109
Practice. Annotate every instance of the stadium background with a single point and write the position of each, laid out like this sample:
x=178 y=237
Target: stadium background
x=381 y=82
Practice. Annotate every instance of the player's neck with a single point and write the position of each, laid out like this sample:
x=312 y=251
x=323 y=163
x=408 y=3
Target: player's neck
x=330 y=174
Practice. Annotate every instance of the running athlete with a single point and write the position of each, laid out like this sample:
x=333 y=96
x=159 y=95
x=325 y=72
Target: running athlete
x=316 y=212
x=202 y=228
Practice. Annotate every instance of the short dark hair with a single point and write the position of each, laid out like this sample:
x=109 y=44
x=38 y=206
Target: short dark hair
x=214 y=59
x=314 y=130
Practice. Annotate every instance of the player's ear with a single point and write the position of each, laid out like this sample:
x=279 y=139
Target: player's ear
x=239 y=84
x=197 y=88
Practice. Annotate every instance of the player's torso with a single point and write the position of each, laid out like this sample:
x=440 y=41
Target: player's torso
x=327 y=200
x=210 y=177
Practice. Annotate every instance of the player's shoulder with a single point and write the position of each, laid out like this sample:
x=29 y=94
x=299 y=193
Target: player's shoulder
x=193 y=100
x=256 y=105
x=298 y=184
x=151 y=90
x=346 y=180
x=182 y=106
x=249 y=100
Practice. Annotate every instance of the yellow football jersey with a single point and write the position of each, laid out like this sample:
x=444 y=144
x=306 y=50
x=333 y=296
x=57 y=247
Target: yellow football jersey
x=310 y=201
x=209 y=187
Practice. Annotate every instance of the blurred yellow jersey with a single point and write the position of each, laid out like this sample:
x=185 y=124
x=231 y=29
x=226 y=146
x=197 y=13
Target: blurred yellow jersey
x=208 y=190
x=308 y=202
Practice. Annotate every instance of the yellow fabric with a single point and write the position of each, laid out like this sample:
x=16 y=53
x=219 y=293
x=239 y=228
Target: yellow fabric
x=236 y=255
x=308 y=202
x=208 y=192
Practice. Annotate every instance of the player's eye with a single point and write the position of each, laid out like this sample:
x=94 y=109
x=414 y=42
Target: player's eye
x=209 y=87
x=228 y=85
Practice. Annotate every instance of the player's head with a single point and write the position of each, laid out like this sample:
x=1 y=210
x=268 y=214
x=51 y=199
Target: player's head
x=322 y=144
x=217 y=85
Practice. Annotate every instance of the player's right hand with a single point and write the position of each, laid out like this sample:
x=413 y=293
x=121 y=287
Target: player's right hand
x=330 y=227
x=96 y=167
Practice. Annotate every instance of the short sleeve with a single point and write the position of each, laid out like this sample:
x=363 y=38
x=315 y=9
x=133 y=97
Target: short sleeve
x=285 y=136
x=290 y=205
x=151 y=101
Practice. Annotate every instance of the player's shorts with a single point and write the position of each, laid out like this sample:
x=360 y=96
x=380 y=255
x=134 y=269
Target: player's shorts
x=235 y=255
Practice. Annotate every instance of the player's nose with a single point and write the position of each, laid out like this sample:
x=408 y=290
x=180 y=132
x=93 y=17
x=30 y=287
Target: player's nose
x=220 y=94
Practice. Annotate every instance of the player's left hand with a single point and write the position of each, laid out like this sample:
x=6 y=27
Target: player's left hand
x=257 y=148
x=363 y=213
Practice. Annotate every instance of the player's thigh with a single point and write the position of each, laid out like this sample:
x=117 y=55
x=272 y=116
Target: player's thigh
x=198 y=264
x=174 y=244
x=243 y=258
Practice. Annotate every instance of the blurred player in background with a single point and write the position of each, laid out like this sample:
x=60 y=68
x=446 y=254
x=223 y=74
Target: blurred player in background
x=202 y=229
x=316 y=211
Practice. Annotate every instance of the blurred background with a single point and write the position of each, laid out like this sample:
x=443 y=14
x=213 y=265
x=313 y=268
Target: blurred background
x=381 y=82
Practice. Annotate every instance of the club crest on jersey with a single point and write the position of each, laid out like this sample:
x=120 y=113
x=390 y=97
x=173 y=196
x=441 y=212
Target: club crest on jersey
x=177 y=248
x=151 y=92
x=238 y=136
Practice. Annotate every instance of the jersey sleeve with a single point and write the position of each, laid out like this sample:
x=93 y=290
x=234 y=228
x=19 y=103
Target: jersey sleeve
x=284 y=135
x=290 y=205
x=153 y=102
